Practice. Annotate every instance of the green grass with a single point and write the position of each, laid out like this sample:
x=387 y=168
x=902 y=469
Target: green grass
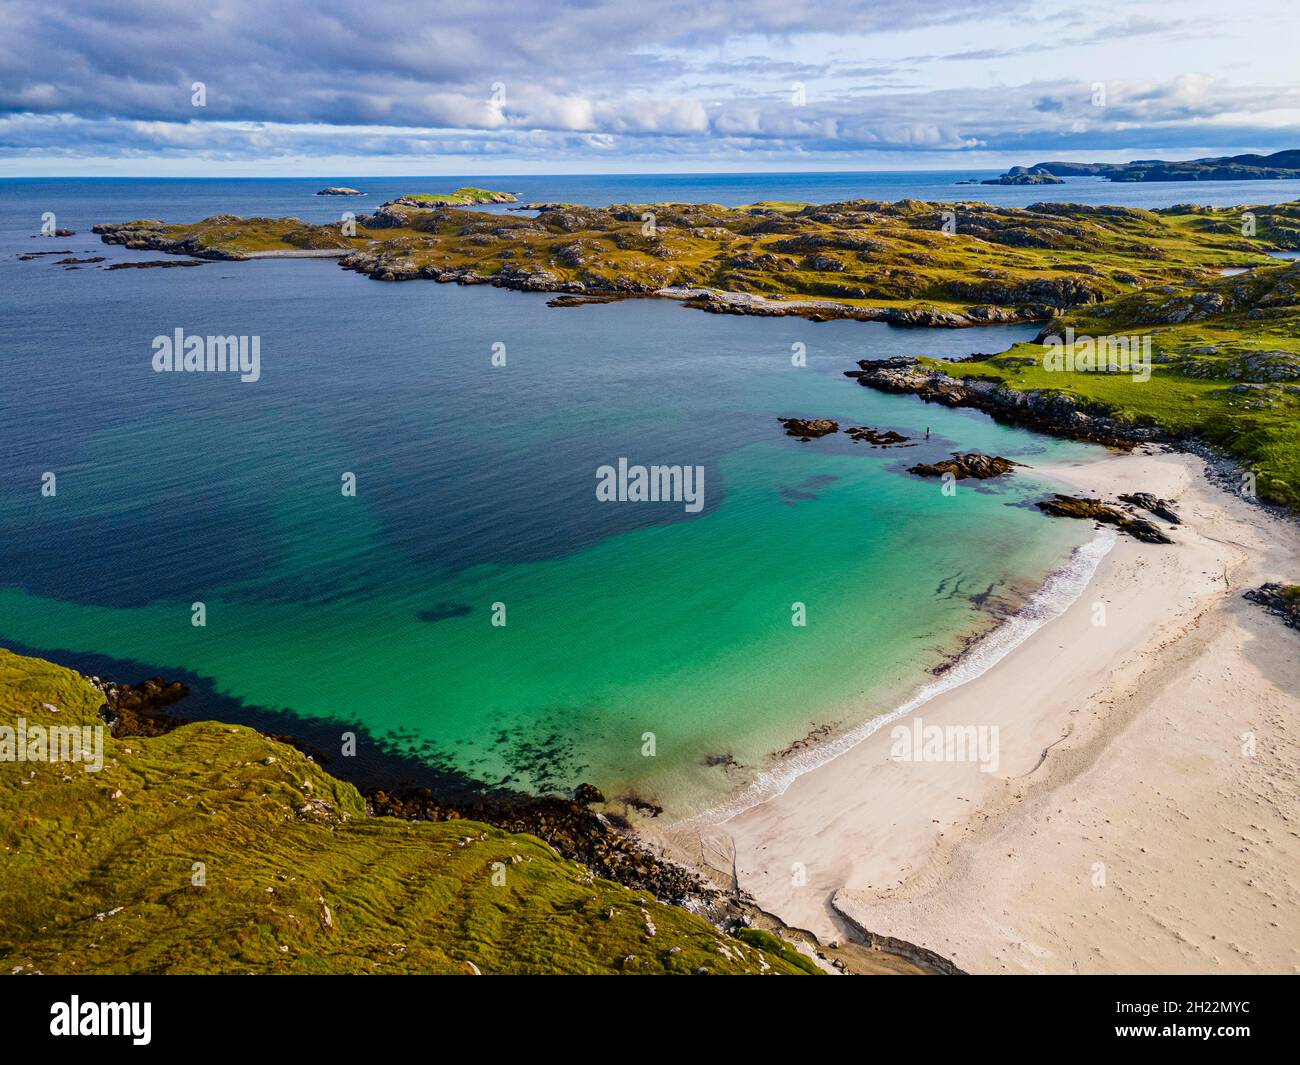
x=465 y=196
x=861 y=253
x=97 y=870
x=1205 y=389
x=766 y=941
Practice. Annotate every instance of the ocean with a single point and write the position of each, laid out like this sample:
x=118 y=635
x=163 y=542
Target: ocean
x=474 y=608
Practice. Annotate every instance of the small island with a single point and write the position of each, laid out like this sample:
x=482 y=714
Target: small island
x=340 y=190
x=467 y=196
x=1023 y=175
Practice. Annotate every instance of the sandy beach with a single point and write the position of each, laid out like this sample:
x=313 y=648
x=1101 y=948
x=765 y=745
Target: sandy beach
x=1142 y=816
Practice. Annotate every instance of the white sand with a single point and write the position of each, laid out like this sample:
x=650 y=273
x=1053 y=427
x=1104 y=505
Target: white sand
x=1143 y=840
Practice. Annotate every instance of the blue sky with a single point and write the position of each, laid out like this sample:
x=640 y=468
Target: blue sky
x=551 y=86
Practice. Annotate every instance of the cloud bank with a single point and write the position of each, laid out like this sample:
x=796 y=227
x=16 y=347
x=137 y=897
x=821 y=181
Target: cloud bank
x=613 y=82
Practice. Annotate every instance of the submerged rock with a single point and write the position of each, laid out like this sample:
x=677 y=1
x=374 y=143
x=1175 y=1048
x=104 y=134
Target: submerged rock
x=971 y=464
x=865 y=434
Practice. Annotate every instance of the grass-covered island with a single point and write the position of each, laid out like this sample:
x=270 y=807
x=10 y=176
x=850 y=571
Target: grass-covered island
x=1224 y=350
x=465 y=196
x=214 y=848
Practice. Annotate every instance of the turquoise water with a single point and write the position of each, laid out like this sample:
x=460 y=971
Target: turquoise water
x=475 y=487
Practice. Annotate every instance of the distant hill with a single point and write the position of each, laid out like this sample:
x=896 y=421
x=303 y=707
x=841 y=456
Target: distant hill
x=1279 y=165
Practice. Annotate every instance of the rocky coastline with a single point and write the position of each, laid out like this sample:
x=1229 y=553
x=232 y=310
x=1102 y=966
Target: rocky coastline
x=1056 y=413
x=896 y=263
x=575 y=827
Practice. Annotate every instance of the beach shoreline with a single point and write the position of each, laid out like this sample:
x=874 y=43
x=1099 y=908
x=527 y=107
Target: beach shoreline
x=1109 y=835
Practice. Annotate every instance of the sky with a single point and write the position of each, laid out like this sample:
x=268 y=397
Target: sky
x=319 y=87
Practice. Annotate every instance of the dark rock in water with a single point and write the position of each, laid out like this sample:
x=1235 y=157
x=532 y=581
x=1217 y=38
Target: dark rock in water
x=1161 y=508
x=156 y=264
x=137 y=709
x=864 y=434
x=971 y=464
x=1063 y=506
x=584 y=301
x=72 y=259
x=808 y=428
x=643 y=806
x=724 y=760
x=588 y=794
x=1281 y=600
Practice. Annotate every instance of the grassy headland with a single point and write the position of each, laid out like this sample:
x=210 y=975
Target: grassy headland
x=1226 y=368
x=940 y=264
x=98 y=871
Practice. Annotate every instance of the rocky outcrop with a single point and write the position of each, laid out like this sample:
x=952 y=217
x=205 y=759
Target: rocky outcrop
x=809 y=428
x=566 y=824
x=1023 y=175
x=970 y=464
x=148 y=235
x=1047 y=411
x=1281 y=600
x=340 y=190
x=462 y=197
x=1161 y=508
x=1063 y=506
x=138 y=709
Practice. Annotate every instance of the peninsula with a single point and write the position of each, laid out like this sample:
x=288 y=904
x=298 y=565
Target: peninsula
x=1279 y=166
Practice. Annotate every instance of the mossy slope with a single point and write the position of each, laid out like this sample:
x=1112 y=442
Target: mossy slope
x=97 y=869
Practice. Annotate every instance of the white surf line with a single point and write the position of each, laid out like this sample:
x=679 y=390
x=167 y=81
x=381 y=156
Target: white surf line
x=1062 y=589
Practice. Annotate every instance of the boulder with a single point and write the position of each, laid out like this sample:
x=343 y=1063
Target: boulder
x=971 y=464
